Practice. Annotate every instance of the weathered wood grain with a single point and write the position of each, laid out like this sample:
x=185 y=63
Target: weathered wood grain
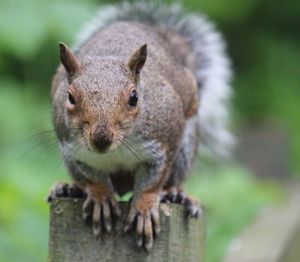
x=180 y=239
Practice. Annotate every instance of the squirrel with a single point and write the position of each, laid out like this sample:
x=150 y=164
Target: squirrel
x=145 y=87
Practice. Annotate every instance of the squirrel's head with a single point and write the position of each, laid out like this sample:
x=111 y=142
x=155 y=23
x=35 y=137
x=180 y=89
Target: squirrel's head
x=102 y=99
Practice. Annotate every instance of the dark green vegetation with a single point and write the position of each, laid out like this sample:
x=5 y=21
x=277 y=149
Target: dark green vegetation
x=263 y=39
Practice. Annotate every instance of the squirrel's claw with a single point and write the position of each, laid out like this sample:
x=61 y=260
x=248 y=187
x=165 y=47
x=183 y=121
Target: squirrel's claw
x=192 y=207
x=62 y=189
x=175 y=195
x=101 y=213
x=147 y=226
x=87 y=209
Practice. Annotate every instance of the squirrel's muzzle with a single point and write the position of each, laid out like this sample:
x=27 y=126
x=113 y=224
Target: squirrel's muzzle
x=102 y=138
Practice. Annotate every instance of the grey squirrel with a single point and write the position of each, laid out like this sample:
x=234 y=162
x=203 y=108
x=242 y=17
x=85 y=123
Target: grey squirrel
x=145 y=86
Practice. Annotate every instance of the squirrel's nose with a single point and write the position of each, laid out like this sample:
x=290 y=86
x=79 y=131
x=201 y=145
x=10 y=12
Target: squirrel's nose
x=102 y=138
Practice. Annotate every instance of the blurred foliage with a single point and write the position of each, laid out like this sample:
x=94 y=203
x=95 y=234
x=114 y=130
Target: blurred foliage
x=263 y=41
x=231 y=198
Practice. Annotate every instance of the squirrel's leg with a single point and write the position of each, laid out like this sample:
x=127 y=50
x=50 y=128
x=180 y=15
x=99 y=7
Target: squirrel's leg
x=144 y=211
x=181 y=168
x=100 y=206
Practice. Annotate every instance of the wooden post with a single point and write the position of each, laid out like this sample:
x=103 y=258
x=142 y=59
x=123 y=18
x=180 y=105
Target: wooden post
x=180 y=239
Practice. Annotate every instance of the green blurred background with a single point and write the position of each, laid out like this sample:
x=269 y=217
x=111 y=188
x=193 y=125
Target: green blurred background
x=263 y=40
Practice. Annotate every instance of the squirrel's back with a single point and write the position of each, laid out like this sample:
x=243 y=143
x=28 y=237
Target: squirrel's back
x=203 y=52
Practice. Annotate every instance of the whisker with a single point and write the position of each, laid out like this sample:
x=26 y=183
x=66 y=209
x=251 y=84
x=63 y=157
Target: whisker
x=44 y=142
x=49 y=152
x=132 y=150
x=49 y=132
x=143 y=147
x=121 y=146
x=130 y=168
x=46 y=132
x=76 y=148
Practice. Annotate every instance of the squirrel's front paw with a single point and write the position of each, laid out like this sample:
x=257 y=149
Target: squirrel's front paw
x=144 y=215
x=62 y=189
x=100 y=208
x=192 y=206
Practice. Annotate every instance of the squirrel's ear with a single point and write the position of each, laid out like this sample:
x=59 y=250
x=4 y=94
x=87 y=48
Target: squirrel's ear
x=68 y=59
x=138 y=59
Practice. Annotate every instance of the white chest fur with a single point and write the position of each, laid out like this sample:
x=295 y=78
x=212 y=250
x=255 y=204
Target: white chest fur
x=110 y=161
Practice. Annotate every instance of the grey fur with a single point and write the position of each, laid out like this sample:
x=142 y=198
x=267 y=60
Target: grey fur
x=212 y=68
x=185 y=157
x=112 y=146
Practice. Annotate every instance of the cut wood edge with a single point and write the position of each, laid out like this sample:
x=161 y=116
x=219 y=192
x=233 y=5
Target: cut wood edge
x=70 y=239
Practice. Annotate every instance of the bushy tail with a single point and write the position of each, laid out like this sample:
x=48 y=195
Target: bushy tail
x=212 y=71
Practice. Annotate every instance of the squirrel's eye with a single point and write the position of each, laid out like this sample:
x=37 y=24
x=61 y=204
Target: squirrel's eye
x=133 y=99
x=71 y=99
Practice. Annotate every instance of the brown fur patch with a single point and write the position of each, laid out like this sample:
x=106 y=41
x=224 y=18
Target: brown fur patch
x=99 y=191
x=145 y=201
x=193 y=107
